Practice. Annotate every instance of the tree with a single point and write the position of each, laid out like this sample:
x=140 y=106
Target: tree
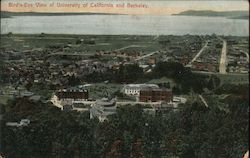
x=73 y=80
x=128 y=73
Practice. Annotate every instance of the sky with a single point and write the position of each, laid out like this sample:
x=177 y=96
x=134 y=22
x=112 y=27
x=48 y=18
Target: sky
x=152 y=7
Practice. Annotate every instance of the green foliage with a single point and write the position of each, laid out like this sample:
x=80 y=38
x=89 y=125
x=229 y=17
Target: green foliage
x=73 y=80
x=182 y=76
x=194 y=131
x=128 y=73
x=125 y=74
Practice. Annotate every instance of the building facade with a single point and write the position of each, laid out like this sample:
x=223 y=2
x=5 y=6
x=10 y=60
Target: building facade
x=155 y=95
x=74 y=94
x=134 y=89
x=66 y=97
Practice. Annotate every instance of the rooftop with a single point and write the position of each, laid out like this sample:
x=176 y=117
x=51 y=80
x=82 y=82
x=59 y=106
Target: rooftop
x=155 y=89
x=141 y=85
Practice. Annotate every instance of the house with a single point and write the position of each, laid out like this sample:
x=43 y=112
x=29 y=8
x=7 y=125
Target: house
x=151 y=61
x=145 y=67
x=134 y=89
x=103 y=108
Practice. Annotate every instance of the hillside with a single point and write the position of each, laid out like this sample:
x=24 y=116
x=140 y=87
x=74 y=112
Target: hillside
x=227 y=14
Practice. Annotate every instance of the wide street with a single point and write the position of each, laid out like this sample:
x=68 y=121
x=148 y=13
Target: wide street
x=198 y=54
x=223 y=62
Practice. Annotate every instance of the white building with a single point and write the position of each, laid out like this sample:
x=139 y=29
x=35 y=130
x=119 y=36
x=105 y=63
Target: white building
x=134 y=89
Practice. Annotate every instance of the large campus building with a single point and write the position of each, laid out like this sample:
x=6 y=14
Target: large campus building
x=73 y=94
x=155 y=95
x=66 y=97
x=134 y=89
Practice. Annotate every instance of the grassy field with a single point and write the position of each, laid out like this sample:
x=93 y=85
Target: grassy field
x=126 y=43
x=234 y=78
x=6 y=93
x=230 y=78
x=162 y=80
x=100 y=90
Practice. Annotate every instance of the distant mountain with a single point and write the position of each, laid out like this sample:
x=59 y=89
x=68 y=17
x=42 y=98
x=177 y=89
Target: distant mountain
x=5 y=14
x=227 y=14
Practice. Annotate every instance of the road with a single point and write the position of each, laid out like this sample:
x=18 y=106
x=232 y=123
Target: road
x=142 y=57
x=147 y=55
x=130 y=46
x=198 y=54
x=72 y=54
x=216 y=73
x=57 y=103
x=156 y=37
x=223 y=58
x=175 y=103
x=121 y=103
x=247 y=55
x=203 y=100
x=137 y=102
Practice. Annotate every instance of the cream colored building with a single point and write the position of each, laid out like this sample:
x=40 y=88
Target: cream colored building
x=134 y=89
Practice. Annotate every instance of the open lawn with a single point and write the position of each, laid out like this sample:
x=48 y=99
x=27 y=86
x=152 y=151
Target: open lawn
x=231 y=78
x=6 y=93
x=234 y=78
x=162 y=81
x=100 y=90
x=109 y=43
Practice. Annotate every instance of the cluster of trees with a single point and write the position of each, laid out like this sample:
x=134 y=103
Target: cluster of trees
x=185 y=79
x=125 y=74
x=192 y=131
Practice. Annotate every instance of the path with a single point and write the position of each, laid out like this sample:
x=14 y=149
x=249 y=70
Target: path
x=130 y=46
x=203 y=100
x=156 y=37
x=147 y=55
x=198 y=54
x=223 y=63
x=247 y=55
